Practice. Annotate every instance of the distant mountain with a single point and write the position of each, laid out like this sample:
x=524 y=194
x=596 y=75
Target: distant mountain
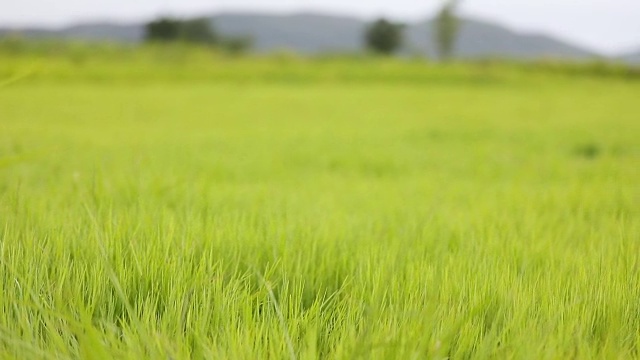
x=481 y=39
x=105 y=31
x=306 y=33
x=631 y=58
x=89 y=32
x=312 y=33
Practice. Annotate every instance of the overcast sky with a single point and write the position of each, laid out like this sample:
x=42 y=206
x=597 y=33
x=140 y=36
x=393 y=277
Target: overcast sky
x=610 y=26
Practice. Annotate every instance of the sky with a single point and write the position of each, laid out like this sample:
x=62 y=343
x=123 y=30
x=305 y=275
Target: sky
x=608 y=26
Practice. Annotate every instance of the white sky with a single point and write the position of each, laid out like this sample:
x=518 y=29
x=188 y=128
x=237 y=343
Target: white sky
x=610 y=26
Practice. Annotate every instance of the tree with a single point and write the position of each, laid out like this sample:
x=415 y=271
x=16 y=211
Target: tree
x=197 y=30
x=446 y=30
x=163 y=29
x=384 y=37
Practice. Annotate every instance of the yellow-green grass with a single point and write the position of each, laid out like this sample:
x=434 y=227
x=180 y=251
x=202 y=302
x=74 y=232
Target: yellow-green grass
x=259 y=218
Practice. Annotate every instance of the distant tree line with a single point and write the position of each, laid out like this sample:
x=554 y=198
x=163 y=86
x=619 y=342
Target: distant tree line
x=386 y=38
x=381 y=37
x=195 y=31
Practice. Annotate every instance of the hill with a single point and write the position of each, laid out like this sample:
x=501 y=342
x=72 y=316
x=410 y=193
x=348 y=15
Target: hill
x=480 y=39
x=313 y=33
x=102 y=31
x=631 y=58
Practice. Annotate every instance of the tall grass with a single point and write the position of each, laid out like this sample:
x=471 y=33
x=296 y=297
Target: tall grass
x=333 y=219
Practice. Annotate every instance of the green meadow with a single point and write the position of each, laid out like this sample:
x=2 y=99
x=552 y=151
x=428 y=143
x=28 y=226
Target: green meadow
x=157 y=205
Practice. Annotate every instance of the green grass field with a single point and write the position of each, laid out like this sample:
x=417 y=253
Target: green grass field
x=445 y=212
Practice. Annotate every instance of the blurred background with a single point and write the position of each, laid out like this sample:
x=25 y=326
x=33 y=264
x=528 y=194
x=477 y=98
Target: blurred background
x=568 y=30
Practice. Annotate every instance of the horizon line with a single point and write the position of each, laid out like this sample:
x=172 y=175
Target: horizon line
x=137 y=20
